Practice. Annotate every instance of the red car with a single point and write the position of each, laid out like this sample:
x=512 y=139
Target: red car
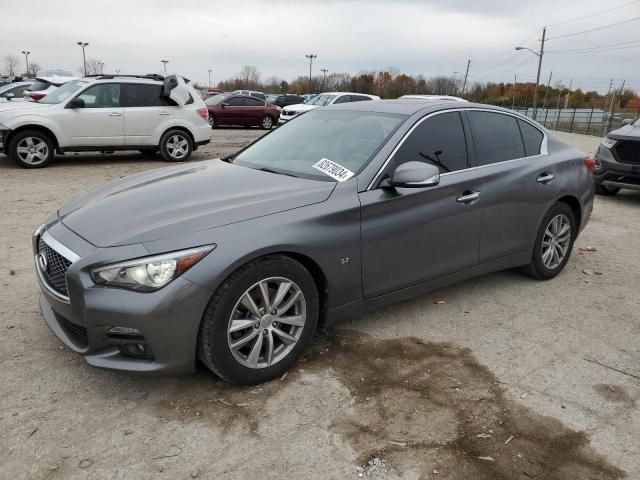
x=233 y=109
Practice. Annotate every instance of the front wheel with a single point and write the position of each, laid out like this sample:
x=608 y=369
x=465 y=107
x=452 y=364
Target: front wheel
x=31 y=149
x=266 y=123
x=259 y=321
x=554 y=243
x=176 y=146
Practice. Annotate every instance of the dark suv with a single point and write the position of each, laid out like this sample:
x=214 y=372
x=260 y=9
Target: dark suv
x=284 y=100
x=617 y=160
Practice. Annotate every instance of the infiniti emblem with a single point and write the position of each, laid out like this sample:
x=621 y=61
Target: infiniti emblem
x=42 y=262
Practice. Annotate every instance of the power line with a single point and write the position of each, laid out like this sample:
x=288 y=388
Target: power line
x=599 y=50
x=629 y=20
x=596 y=47
x=594 y=14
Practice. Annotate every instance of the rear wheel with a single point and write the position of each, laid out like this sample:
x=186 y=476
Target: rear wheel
x=266 y=123
x=259 y=321
x=604 y=190
x=31 y=149
x=212 y=121
x=553 y=244
x=176 y=146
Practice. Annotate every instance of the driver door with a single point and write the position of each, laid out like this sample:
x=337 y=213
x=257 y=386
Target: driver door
x=414 y=235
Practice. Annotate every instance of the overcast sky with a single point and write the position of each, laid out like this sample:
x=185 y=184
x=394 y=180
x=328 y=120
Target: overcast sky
x=431 y=37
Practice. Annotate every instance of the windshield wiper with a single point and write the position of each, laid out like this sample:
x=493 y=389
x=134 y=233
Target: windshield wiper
x=278 y=172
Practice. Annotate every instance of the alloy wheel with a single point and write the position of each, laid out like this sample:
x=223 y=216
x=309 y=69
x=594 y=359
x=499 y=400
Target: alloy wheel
x=556 y=241
x=266 y=322
x=32 y=150
x=267 y=123
x=177 y=146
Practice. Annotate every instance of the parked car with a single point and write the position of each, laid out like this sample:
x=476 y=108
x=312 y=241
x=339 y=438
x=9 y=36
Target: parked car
x=432 y=97
x=284 y=100
x=236 y=262
x=106 y=113
x=309 y=96
x=43 y=86
x=322 y=100
x=13 y=92
x=617 y=160
x=251 y=93
x=235 y=109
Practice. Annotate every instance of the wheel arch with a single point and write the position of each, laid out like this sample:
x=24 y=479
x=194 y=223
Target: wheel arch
x=182 y=129
x=575 y=206
x=39 y=128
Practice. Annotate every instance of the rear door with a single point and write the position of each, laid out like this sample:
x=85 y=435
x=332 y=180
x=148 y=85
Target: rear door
x=413 y=235
x=519 y=181
x=147 y=112
x=99 y=123
x=254 y=110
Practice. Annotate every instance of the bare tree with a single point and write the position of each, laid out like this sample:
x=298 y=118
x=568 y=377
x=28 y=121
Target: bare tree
x=94 y=67
x=34 y=68
x=250 y=75
x=11 y=62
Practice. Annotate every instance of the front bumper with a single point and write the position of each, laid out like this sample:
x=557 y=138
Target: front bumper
x=611 y=173
x=168 y=319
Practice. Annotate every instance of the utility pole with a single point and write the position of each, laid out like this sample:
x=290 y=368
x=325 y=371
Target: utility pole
x=164 y=62
x=26 y=59
x=540 y=54
x=466 y=74
x=324 y=77
x=209 y=78
x=621 y=92
x=546 y=90
x=513 y=102
x=310 y=56
x=84 y=59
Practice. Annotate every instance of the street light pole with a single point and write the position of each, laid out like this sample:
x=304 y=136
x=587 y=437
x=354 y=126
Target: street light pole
x=466 y=75
x=26 y=59
x=164 y=62
x=84 y=58
x=209 y=77
x=540 y=54
x=324 y=77
x=310 y=56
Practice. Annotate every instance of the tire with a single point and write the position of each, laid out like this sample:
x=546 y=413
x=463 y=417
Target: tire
x=176 y=146
x=266 y=123
x=227 y=306
x=607 y=191
x=212 y=121
x=31 y=149
x=543 y=266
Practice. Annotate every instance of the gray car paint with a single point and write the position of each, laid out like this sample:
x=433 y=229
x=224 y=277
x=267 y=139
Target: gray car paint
x=366 y=246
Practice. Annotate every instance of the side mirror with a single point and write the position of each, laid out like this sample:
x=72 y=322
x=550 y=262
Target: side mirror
x=75 y=103
x=9 y=96
x=415 y=175
x=224 y=105
x=626 y=121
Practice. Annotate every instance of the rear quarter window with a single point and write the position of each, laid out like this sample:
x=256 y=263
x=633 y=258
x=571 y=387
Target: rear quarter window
x=532 y=138
x=39 y=85
x=496 y=137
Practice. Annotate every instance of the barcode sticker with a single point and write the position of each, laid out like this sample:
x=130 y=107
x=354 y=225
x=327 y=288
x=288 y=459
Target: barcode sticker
x=334 y=170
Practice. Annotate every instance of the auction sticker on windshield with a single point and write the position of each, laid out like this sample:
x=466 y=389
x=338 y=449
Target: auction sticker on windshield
x=333 y=169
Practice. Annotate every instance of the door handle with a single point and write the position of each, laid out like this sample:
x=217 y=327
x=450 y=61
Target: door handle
x=545 y=178
x=115 y=114
x=163 y=113
x=468 y=197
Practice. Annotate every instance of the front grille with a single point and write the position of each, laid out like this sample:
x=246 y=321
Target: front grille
x=56 y=268
x=75 y=330
x=628 y=152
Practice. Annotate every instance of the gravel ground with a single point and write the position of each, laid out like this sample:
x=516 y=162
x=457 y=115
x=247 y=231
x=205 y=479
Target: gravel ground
x=498 y=377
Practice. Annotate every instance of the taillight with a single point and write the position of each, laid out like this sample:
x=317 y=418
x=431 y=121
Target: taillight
x=590 y=163
x=203 y=112
x=37 y=96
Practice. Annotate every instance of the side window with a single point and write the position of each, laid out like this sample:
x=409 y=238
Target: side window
x=253 y=102
x=359 y=98
x=236 y=102
x=439 y=140
x=496 y=137
x=105 y=95
x=141 y=95
x=532 y=138
x=343 y=99
x=17 y=91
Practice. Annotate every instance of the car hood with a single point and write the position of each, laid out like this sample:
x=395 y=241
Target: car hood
x=628 y=132
x=301 y=107
x=174 y=201
x=22 y=105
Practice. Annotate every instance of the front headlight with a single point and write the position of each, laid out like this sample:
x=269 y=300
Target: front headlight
x=608 y=142
x=149 y=273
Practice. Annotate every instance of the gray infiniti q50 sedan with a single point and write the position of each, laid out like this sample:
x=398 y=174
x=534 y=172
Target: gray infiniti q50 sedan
x=237 y=261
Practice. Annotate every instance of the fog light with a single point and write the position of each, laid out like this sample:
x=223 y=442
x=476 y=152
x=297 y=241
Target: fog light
x=123 y=331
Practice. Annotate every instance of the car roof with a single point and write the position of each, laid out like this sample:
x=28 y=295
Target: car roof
x=432 y=97
x=410 y=107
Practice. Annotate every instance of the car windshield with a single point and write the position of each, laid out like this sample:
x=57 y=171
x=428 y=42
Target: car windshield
x=636 y=123
x=215 y=100
x=60 y=94
x=321 y=100
x=347 y=138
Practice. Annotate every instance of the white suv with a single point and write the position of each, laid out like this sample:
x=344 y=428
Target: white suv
x=106 y=113
x=322 y=100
